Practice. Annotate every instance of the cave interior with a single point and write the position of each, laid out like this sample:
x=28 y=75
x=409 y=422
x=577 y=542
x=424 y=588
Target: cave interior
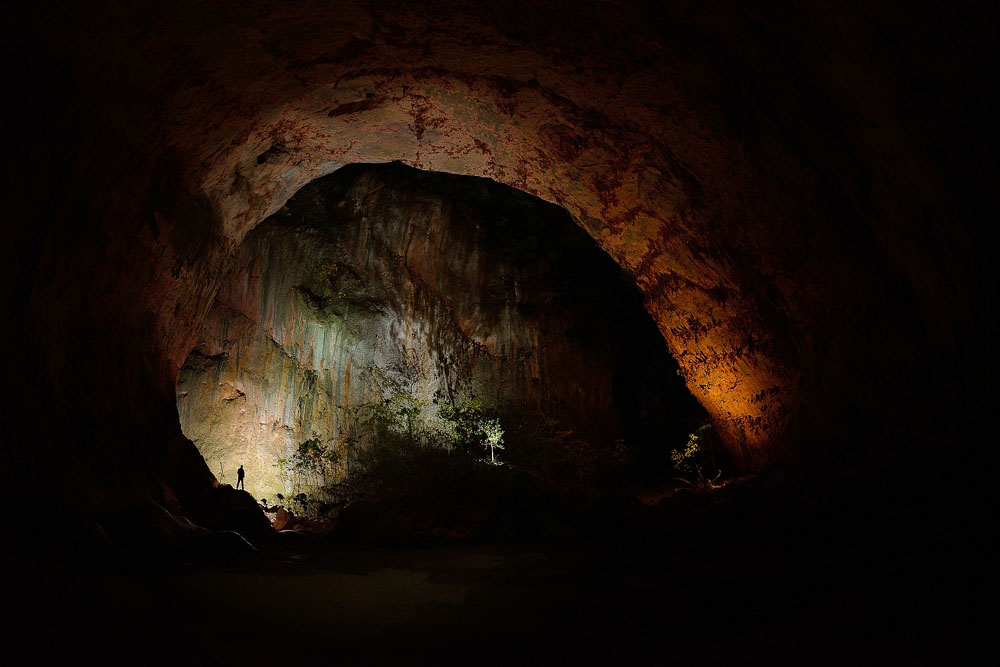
x=382 y=302
x=426 y=333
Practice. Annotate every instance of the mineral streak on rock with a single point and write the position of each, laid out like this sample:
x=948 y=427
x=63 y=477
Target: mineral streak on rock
x=382 y=282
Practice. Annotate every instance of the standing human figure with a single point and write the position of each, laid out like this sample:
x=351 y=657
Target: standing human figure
x=239 y=478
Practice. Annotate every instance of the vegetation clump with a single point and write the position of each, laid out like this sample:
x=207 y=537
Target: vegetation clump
x=386 y=447
x=696 y=462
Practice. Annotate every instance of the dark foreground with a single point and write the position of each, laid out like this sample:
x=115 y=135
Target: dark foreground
x=762 y=572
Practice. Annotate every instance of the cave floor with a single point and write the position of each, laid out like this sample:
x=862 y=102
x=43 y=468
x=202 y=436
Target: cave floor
x=750 y=577
x=493 y=605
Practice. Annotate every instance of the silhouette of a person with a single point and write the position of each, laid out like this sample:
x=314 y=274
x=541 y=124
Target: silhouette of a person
x=239 y=478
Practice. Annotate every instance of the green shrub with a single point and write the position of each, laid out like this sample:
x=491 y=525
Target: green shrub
x=696 y=462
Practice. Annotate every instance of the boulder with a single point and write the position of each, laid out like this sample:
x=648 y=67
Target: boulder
x=283 y=519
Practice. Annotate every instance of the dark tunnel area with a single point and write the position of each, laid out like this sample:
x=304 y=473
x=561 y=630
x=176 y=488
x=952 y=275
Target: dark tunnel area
x=450 y=332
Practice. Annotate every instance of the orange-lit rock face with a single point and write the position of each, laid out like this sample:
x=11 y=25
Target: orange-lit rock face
x=799 y=245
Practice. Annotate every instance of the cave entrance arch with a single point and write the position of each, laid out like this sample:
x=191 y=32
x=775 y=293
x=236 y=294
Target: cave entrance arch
x=622 y=185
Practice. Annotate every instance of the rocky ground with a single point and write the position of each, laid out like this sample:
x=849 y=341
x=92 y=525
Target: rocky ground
x=842 y=570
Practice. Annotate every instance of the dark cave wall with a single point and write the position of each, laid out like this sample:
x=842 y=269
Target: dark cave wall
x=792 y=188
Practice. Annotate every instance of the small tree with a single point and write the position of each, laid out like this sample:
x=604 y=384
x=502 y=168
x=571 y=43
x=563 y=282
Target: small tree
x=492 y=437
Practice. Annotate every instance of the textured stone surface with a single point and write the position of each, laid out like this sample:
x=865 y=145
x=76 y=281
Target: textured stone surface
x=385 y=285
x=792 y=188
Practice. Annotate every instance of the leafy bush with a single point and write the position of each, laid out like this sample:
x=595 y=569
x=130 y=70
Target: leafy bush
x=385 y=445
x=696 y=462
x=463 y=423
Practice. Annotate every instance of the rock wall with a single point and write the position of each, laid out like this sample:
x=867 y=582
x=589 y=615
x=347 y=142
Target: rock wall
x=386 y=285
